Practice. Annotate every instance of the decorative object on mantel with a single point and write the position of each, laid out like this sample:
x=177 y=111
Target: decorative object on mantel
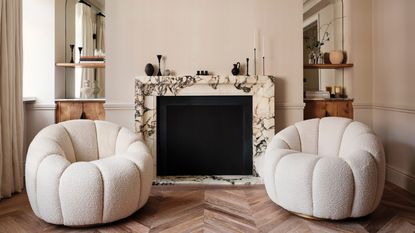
x=167 y=72
x=336 y=57
x=159 y=58
x=202 y=72
x=247 y=66
x=260 y=87
x=254 y=61
x=72 y=46
x=256 y=36
x=263 y=55
x=236 y=68
x=149 y=69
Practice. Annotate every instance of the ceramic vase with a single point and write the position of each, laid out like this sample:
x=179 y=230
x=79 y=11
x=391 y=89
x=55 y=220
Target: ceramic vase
x=336 y=57
x=149 y=69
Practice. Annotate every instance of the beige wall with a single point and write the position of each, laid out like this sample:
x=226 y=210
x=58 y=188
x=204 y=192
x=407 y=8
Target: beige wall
x=358 y=45
x=39 y=72
x=393 y=86
x=202 y=34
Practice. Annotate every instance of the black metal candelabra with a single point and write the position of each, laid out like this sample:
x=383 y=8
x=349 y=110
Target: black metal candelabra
x=159 y=58
x=247 y=66
x=254 y=61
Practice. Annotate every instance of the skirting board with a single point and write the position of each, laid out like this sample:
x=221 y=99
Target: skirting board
x=401 y=179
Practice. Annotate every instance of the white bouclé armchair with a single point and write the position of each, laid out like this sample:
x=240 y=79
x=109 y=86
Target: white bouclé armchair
x=331 y=168
x=83 y=172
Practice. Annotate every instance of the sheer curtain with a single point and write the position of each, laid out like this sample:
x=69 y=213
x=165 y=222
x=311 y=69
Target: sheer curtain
x=83 y=38
x=11 y=103
x=100 y=31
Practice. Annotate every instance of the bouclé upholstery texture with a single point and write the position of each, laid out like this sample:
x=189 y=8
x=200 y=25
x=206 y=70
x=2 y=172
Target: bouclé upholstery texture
x=83 y=172
x=331 y=168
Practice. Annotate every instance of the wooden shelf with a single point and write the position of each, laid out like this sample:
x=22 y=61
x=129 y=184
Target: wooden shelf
x=327 y=66
x=81 y=65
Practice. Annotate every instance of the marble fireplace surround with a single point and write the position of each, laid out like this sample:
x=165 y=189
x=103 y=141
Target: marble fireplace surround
x=261 y=88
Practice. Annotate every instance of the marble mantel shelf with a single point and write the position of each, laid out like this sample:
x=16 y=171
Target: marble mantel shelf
x=261 y=88
x=203 y=79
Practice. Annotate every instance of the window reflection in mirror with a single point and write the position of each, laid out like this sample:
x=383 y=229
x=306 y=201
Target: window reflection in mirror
x=84 y=28
x=322 y=33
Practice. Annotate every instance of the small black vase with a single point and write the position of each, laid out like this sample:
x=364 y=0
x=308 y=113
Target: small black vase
x=236 y=68
x=149 y=69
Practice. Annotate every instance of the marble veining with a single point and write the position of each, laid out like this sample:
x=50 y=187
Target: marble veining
x=261 y=88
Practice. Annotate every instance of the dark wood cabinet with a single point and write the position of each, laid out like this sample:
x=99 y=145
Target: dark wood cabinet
x=72 y=110
x=327 y=108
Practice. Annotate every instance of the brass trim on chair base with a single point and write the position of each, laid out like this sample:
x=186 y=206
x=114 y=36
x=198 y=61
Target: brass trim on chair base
x=307 y=216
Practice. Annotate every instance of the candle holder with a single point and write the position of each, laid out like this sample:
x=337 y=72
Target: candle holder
x=159 y=58
x=247 y=66
x=72 y=46
x=254 y=61
x=80 y=53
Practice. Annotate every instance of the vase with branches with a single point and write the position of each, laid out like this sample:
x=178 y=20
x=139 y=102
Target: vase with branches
x=314 y=45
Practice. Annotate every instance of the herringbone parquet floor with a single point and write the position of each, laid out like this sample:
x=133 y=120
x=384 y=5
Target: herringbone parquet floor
x=221 y=209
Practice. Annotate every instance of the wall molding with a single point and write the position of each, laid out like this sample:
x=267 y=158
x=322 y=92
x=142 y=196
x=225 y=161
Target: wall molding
x=289 y=106
x=385 y=107
x=400 y=178
x=363 y=106
x=394 y=108
x=41 y=106
x=119 y=106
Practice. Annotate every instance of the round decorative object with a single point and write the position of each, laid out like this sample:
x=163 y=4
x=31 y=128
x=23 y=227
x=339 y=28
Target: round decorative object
x=336 y=57
x=167 y=72
x=149 y=69
x=236 y=68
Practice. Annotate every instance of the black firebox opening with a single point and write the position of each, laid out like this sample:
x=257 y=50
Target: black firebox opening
x=204 y=135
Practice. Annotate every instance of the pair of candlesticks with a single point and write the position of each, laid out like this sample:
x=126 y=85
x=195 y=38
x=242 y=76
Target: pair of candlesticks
x=72 y=46
x=247 y=64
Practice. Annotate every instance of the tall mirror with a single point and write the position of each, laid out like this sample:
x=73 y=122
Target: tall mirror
x=322 y=34
x=85 y=46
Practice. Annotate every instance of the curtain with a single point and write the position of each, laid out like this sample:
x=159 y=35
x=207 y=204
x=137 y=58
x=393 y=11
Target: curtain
x=83 y=38
x=100 y=31
x=11 y=103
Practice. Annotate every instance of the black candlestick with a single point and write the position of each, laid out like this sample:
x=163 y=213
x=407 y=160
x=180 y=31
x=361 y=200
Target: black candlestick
x=159 y=58
x=247 y=66
x=263 y=66
x=80 y=53
x=254 y=61
x=72 y=46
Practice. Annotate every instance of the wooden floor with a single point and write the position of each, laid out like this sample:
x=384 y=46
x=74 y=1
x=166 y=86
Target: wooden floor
x=221 y=209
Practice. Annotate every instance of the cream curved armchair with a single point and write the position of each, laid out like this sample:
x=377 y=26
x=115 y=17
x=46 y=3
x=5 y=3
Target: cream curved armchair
x=83 y=172
x=331 y=168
